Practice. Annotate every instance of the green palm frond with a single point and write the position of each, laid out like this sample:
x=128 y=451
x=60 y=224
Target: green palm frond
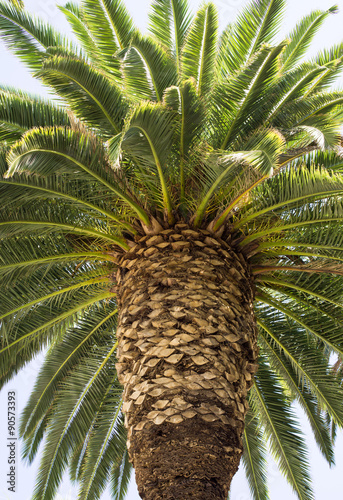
x=262 y=151
x=331 y=159
x=25 y=337
x=106 y=446
x=20 y=112
x=238 y=107
x=254 y=458
x=147 y=69
x=56 y=187
x=197 y=60
x=305 y=319
x=325 y=241
x=256 y=25
x=333 y=59
x=302 y=35
x=27 y=36
x=290 y=189
x=75 y=17
x=282 y=430
x=90 y=95
x=110 y=27
x=42 y=220
x=186 y=102
x=294 y=84
x=13 y=303
x=296 y=358
x=120 y=478
x=149 y=136
x=22 y=257
x=61 y=358
x=303 y=395
x=121 y=19
x=31 y=446
x=169 y=23
x=312 y=214
x=86 y=387
x=45 y=149
x=308 y=110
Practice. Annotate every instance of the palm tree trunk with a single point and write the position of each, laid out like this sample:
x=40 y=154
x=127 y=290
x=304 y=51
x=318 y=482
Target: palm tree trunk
x=187 y=353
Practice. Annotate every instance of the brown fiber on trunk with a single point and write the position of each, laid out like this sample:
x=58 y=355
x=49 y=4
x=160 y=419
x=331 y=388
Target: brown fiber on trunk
x=186 y=357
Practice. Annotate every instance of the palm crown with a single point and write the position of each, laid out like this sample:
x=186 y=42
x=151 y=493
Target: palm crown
x=234 y=135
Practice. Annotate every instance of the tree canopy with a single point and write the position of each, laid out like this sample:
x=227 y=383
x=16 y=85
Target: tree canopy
x=233 y=130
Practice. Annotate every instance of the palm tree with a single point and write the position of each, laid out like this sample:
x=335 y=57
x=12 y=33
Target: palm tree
x=171 y=224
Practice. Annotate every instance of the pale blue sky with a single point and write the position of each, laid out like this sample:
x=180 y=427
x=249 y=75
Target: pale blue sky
x=327 y=483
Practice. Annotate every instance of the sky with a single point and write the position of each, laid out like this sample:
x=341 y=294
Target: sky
x=328 y=483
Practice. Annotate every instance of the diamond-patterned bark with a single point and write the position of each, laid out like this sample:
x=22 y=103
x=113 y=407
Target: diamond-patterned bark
x=187 y=353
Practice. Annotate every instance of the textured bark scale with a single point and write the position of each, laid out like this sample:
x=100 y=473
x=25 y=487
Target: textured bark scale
x=186 y=357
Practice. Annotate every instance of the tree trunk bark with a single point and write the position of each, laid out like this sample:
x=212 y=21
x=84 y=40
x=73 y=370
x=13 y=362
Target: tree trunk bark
x=186 y=357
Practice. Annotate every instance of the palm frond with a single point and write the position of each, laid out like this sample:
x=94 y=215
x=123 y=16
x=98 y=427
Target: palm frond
x=185 y=101
x=290 y=189
x=333 y=59
x=238 y=109
x=91 y=96
x=295 y=84
x=197 y=60
x=147 y=69
x=25 y=256
x=302 y=36
x=169 y=24
x=254 y=458
x=116 y=16
x=106 y=446
x=27 y=36
x=121 y=475
x=315 y=390
x=309 y=110
x=58 y=150
x=24 y=336
x=20 y=112
x=42 y=220
x=18 y=188
x=110 y=27
x=256 y=25
x=149 y=136
x=75 y=16
x=281 y=429
x=311 y=214
x=262 y=151
x=88 y=386
x=94 y=327
x=307 y=321
x=316 y=417
x=238 y=139
x=331 y=159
